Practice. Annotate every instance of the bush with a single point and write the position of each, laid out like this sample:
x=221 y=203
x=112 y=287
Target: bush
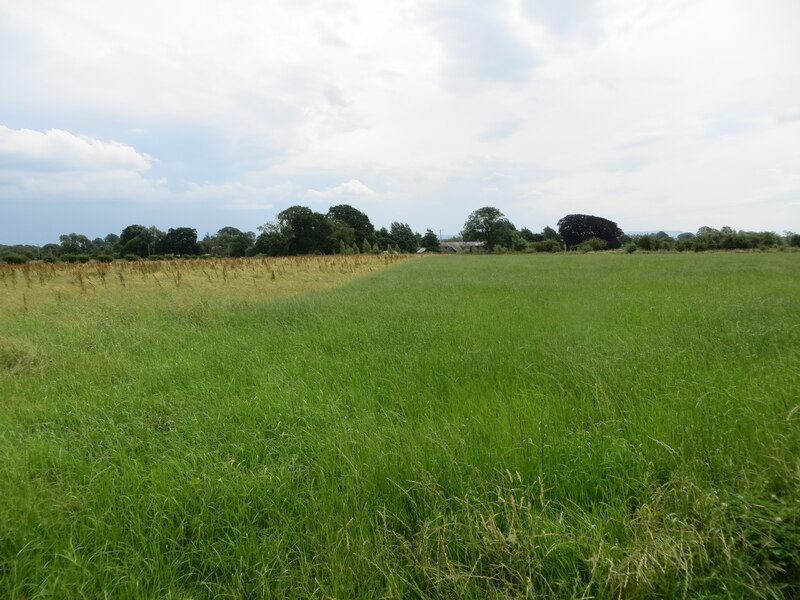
x=593 y=244
x=106 y=258
x=132 y=257
x=630 y=248
x=549 y=245
x=68 y=258
x=157 y=257
x=15 y=259
x=82 y=258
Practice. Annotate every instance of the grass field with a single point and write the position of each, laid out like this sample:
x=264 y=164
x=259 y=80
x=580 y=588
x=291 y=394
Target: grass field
x=561 y=426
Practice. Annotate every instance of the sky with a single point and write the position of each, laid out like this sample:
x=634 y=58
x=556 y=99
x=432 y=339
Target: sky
x=656 y=114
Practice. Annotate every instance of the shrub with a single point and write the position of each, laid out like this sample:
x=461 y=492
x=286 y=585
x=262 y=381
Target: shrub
x=15 y=259
x=630 y=248
x=593 y=244
x=549 y=245
x=106 y=258
x=82 y=258
x=131 y=257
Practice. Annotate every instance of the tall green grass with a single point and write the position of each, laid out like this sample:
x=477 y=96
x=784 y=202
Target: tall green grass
x=456 y=427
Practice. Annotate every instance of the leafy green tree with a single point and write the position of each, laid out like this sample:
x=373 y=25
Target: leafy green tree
x=74 y=243
x=308 y=232
x=384 y=239
x=181 y=241
x=241 y=243
x=551 y=234
x=135 y=240
x=273 y=241
x=403 y=237
x=342 y=234
x=355 y=219
x=430 y=242
x=231 y=231
x=488 y=225
x=50 y=250
x=575 y=229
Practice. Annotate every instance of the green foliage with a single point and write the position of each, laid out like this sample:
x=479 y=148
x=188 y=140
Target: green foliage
x=14 y=259
x=593 y=244
x=305 y=231
x=403 y=237
x=547 y=245
x=430 y=242
x=181 y=241
x=488 y=225
x=357 y=221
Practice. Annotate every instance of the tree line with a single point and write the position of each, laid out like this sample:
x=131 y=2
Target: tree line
x=298 y=230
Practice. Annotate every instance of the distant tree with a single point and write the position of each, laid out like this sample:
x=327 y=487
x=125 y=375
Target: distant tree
x=232 y=231
x=342 y=235
x=241 y=243
x=383 y=238
x=430 y=242
x=50 y=250
x=308 y=232
x=529 y=236
x=272 y=241
x=135 y=240
x=74 y=243
x=181 y=241
x=355 y=219
x=685 y=236
x=578 y=228
x=551 y=234
x=487 y=225
x=403 y=237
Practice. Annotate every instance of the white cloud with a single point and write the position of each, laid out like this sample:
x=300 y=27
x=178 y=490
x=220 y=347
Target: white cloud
x=352 y=188
x=58 y=150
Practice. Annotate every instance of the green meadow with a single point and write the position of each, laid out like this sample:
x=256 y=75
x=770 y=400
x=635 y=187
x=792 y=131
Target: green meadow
x=528 y=426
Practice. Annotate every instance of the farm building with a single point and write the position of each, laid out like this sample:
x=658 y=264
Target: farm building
x=453 y=247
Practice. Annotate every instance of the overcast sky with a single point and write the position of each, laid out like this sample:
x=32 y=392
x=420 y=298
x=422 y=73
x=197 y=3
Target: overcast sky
x=657 y=114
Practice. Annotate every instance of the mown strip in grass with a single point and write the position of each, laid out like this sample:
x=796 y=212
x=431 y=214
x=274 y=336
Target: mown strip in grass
x=455 y=427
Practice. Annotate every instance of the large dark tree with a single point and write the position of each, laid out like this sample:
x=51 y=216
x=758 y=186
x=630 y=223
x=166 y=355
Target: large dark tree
x=575 y=229
x=487 y=225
